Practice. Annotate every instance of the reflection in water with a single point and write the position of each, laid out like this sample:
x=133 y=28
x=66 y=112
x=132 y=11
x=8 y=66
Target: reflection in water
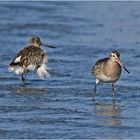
x=31 y=90
x=108 y=114
x=22 y=89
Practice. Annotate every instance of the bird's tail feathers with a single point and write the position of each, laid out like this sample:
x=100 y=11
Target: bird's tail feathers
x=42 y=71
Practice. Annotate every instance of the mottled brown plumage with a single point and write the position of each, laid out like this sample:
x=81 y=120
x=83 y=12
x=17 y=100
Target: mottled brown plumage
x=31 y=58
x=29 y=55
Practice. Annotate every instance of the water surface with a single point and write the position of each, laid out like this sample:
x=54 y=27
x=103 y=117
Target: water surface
x=61 y=106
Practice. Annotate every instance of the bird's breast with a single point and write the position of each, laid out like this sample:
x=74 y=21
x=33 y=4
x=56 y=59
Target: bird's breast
x=111 y=72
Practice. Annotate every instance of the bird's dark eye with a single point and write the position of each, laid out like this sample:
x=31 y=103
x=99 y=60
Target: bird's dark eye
x=113 y=55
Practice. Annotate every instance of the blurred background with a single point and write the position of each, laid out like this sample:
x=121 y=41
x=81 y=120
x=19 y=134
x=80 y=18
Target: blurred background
x=61 y=106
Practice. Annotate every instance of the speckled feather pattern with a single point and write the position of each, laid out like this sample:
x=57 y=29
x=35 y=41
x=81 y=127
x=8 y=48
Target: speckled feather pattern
x=96 y=70
x=29 y=55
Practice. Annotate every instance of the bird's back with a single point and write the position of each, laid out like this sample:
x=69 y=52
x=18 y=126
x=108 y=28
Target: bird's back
x=29 y=55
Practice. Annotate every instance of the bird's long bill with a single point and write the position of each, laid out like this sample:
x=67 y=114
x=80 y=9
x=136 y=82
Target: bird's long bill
x=119 y=62
x=49 y=46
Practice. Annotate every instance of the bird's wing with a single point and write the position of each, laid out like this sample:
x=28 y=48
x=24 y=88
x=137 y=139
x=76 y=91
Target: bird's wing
x=96 y=68
x=18 y=57
x=28 y=55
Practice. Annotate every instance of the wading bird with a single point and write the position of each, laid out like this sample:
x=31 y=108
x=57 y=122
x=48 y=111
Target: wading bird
x=31 y=58
x=108 y=70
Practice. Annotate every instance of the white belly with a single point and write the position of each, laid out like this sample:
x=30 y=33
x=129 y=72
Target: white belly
x=107 y=79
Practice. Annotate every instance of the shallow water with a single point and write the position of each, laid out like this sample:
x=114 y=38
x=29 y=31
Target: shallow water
x=61 y=106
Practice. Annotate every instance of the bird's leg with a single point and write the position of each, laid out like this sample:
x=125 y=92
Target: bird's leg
x=113 y=89
x=25 y=75
x=22 y=77
x=94 y=94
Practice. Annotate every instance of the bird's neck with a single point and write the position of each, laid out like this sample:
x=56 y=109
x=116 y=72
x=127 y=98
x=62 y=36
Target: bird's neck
x=111 y=63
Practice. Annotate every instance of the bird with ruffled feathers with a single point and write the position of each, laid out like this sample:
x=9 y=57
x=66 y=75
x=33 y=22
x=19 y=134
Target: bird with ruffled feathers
x=31 y=58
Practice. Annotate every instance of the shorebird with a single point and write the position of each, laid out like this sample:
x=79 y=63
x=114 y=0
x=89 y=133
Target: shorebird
x=31 y=58
x=108 y=70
